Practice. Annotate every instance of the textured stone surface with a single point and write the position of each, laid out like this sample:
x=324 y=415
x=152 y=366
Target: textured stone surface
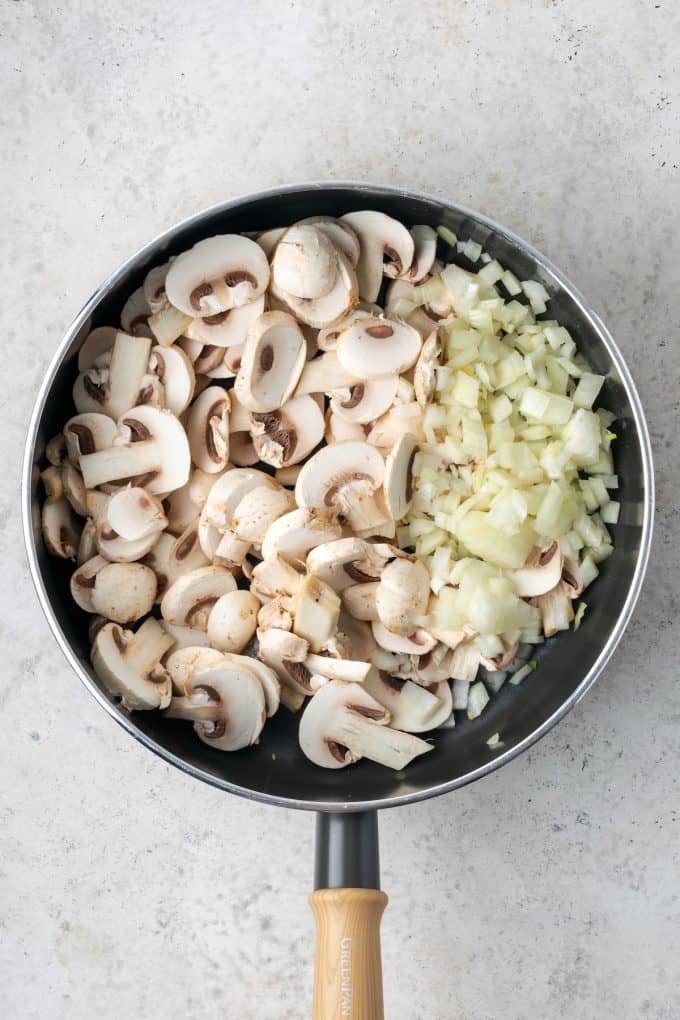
x=549 y=889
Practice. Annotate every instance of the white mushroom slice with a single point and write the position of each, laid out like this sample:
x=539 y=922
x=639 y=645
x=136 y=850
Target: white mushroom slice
x=208 y=430
x=83 y=581
x=288 y=435
x=135 y=314
x=123 y=592
x=413 y=708
x=55 y=450
x=359 y=601
x=541 y=572
x=85 y=433
x=287 y=475
x=371 y=348
x=276 y=613
x=338 y=430
x=185 y=637
x=269 y=239
x=168 y=324
x=273 y=577
x=259 y=508
x=425 y=252
x=226 y=705
x=423 y=321
x=185 y=661
x=241 y=449
x=347 y=670
x=209 y=361
x=154 y=287
x=98 y=342
x=61 y=529
x=134 y=514
x=272 y=362
x=152 y=391
x=418 y=643
x=365 y=401
x=228 y=491
x=121 y=550
x=200 y=484
x=175 y=371
x=285 y=653
x=345 y=562
x=324 y=375
x=359 y=636
x=339 y=233
x=386 y=247
x=402 y=595
x=399 y=421
x=188 y=601
x=295 y=533
x=303 y=265
x=230 y=363
x=398 y=481
x=343 y=477
x=129 y=361
x=556 y=608
x=271 y=687
x=51 y=479
x=343 y=723
x=327 y=338
x=185 y=553
x=87 y=547
x=217 y=274
x=572 y=577
x=226 y=329
x=334 y=306
x=128 y=664
x=180 y=507
x=233 y=620
x=160 y=451
x=316 y=608
x=424 y=376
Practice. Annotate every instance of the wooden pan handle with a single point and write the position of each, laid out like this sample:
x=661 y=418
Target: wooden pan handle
x=348 y=970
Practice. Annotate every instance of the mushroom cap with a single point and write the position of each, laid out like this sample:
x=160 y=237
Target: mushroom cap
x=242 y=709
x=226 y=329
x=332 y=307
x=303 y=265
x=344 y=562
x=217 y=274
x=273 y=359
x=269 y=239
x=418 y=643
x=386 y=247
x=365 y=401
x=233 y=621
x=134 y=514
x=288 y=435
x=176 y=372
x=339 y=233
x=271 y=687
x=425 y=252
x=61 y=528
x=184 y=661
x=359 y=600
x=123 y=592
x=402 y=595
x=190 y=598
x=319 y=733
x=127 y=664
x=85 y=433
x=375 y=347
x=208 y=429
x=292 y=535
x=257 y=509
x=398 y=481
x=228 y=491
x=342 y=466
x=95 y=344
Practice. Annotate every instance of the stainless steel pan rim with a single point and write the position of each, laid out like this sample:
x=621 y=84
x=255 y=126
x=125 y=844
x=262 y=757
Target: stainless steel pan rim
x=433 y=791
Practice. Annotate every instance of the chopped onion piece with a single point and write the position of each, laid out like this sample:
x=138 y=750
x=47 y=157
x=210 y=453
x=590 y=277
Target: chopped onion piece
x=579 y=614
x=610 y=512
x=478 y=699
x=447 y=235
x=521 y=674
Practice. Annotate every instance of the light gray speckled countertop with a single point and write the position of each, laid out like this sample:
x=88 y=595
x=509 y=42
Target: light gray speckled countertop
x=549 y=890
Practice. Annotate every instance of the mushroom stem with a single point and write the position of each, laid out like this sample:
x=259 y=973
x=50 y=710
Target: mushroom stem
x=198 y=706
x=118 y=462
x=148 y=646
x=367 y=738
x=360 y=509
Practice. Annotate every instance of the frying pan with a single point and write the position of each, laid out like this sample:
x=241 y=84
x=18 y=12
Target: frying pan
x=348 y=902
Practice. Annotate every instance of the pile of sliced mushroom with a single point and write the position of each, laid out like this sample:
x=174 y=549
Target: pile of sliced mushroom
x=324 y=469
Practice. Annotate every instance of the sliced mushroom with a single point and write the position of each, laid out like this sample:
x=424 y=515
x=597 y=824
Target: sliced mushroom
x=100 y=341
x=217 y=274
x=541 y=572
x=425 y=375
x=338 y=430
x=226 y=329
x=327 y=338
x=61 y=528
x=122 y=592
x=556 y=609
x=55 y=450
x=258 y=509
x=273 y=577
x=292 y=535
x=271 y=687
x=154 y=287
x=269 y=239
x=344 y=477
x=226 y=705
x=402 y=595
x=287 y=475
x=365 y=401
x=304 y=263
x=85 y=433
x=220 y=507
x=277 y=613
x=418 y=643
x=175 y=371
x=285 y=653
x=112 y=547
x=398 y=481
x=185 y=637
x=208 y=430
x=135 y=314
x=316 y=608
x=242 y=450
x=133 y=514
x=325 y=374
x=339 y=233
x=128 y=664
x=343 y=723
x=375 y=347
x=273 y=360
x=288 y=435
x=188 y=601
x=168 y=324
x=158 y=449
x=345 y=562
x=386 y=247
x=413 y=708
x=359 y=601
x=87 y=547
x=332 y=307
x=347 y=670
x=571 y=576
x=180 y=507
x=51 y=479
x=399 y=420
x=115 y=390
x=425 y=252
x=233 y=620
x=184 y=661
x=83 y=581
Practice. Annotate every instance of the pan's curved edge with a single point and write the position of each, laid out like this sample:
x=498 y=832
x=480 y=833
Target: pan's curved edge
x=114 y=710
